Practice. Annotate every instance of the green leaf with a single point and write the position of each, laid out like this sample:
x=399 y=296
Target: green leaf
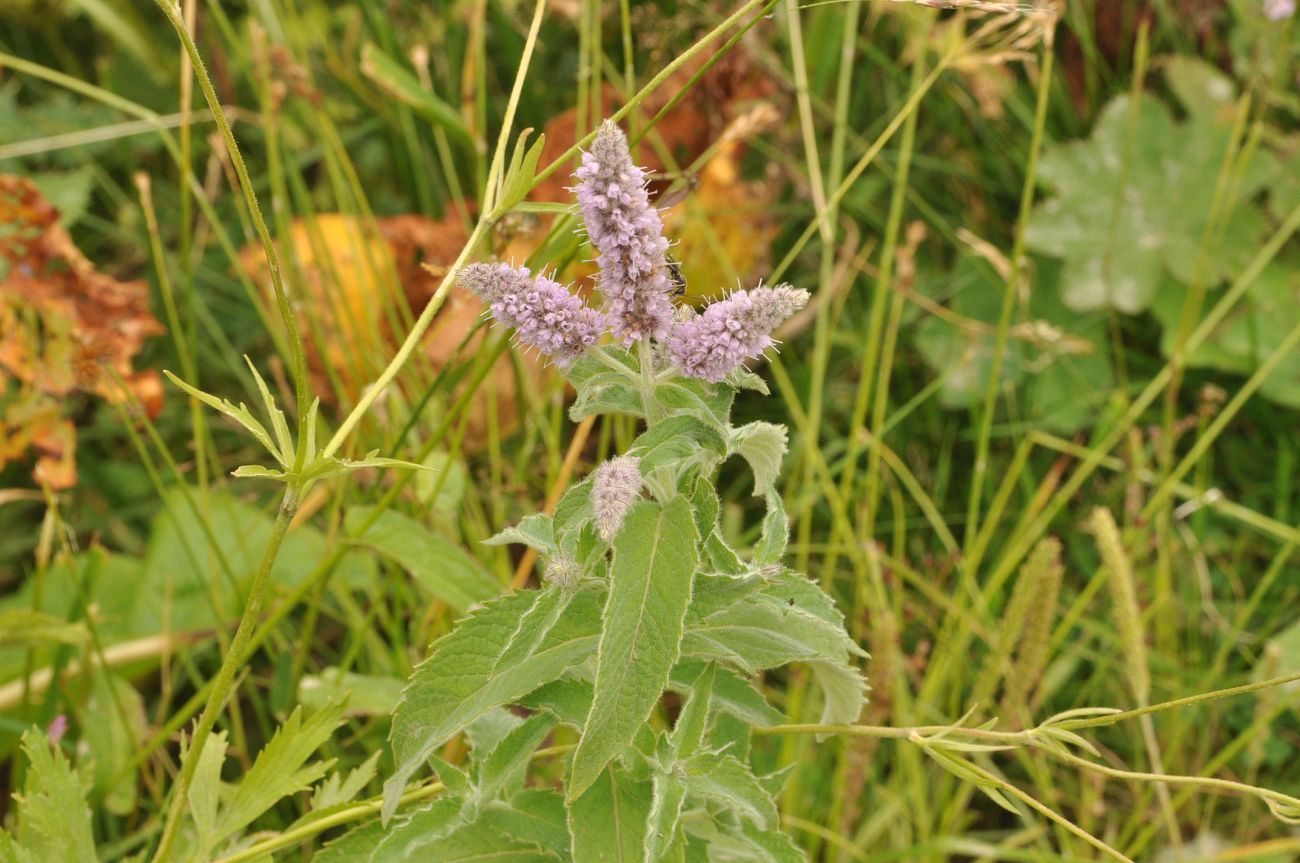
x=689 y=728
x=775 y=532
x=678 y=441
x=641 y=630
x=281 y=768
x=519 y=177
x=754 y=624
x=53 y=816
x=605 y=382
x=325 y=468
x=724 y=780
x=397 y=81
x=495 y=656
x=1135 y=200
x=439 y=566
x=537 y=816
x=204 y=793
x=435 y=834
x=668 y=793
x=113 y=738
x=364 y=694
x=763 y=445
x=279 y=424
x=22 y=627
x=502 y=771
x=730 y=692
x=535 y=531
x=608 y=822
x=338 y=790
x=239 y=414
x=12 y=852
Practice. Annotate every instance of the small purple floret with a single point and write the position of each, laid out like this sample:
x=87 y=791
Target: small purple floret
x=628 y=233
x=1279 y=10
x=542 y=311
x=718 y=340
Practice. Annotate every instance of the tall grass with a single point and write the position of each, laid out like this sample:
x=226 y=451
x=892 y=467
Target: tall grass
x=955 y=540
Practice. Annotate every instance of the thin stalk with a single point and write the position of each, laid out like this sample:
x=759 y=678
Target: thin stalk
x=221 y=687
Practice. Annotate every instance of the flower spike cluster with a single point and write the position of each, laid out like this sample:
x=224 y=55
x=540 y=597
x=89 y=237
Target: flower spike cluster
x=546 y=316
x=728 y=332
x=628 y=233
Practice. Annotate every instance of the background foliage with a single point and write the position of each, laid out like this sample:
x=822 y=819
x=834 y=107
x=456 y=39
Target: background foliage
x=1054 y=269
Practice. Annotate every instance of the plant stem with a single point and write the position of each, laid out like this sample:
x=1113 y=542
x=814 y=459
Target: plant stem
x=297 y=354
x=226 y=674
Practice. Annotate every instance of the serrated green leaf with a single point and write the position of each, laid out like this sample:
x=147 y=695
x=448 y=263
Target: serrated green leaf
x=493 y=657
x=12 y=852
x=435 y=834
x=537 y=531
x=536 y=815
x=775 y=531
x=763 y=445
x=730 y=692
x=279 y=424
x=753 y=624
x=677 y=441
x=239 y=414
x=688 y=731
x=440 y=566
x=668 y=793
x=502 y=771
x=338 y=789
x=641 y=630
x=22 y=627
x=281 y=768
x=204 y=793
x=608 y=822
x=322 y=468
x=726 y=781
x=53 y=816
x=567 y=699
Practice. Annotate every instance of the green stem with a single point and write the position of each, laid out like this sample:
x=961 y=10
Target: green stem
x=297 y=354
x=224 y=682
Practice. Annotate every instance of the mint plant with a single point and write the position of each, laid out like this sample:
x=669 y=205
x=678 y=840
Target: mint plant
x=641 y=594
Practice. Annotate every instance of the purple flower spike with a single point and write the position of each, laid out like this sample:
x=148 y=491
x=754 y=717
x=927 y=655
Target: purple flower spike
x=730 y=331
x=629 y=235
x=543 y=312
x=1279 y=10
x=615 y=486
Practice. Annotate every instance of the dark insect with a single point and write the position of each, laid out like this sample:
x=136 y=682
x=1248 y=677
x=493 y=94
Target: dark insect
x=675 y=276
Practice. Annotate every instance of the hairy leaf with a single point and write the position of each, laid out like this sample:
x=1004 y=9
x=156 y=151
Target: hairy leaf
x=641 y=630
x=608 y=822
x=726 y=781
x=493 y=657
x=763 y=445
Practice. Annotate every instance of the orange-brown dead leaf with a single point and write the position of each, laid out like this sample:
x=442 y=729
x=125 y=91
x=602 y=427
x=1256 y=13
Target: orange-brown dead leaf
x=64 y=327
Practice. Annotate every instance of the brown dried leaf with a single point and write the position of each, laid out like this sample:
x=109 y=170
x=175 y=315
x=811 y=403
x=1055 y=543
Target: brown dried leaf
x=64 y=327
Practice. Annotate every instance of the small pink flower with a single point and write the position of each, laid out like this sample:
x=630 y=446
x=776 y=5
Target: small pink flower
x=629 y=235
x=1279 y=10
x=543 y=312
x=58 y=728
x=719 y=339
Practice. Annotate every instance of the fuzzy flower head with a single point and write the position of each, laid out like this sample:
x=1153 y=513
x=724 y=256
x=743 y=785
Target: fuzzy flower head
x=719 y=339
x=629 y=236
x=615 y=486
x=1279 y=10
x=543 y=312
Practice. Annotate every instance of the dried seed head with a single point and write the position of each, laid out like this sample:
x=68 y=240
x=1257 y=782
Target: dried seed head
x=730 y=331
x=616 y=485
x=629 y=235
x=543 y=312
